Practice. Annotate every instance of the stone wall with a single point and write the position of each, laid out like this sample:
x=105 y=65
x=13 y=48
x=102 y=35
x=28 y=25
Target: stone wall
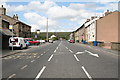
x=115 y=45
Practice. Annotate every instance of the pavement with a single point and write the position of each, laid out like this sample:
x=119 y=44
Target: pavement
x=8 y=52
x=61 y=61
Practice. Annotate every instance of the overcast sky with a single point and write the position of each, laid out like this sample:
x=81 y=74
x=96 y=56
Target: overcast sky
x=64 y=16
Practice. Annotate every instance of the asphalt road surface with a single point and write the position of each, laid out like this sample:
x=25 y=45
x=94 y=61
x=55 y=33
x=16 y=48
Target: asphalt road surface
x=61 y=60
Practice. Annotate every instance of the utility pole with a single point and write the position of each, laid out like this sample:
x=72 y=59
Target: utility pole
x=47 y=30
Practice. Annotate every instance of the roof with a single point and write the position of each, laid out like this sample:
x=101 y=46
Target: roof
x=18 y=21
x=6 y=32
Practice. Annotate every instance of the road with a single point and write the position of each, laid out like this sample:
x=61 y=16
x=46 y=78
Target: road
x=61 y=60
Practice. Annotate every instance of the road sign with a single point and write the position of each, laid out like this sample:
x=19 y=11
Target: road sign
x=10 y=26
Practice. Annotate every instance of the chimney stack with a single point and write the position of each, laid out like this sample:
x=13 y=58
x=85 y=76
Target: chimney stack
x=2 y=10
x=107 y=13
x=15 y=17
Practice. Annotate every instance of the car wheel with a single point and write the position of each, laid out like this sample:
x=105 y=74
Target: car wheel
x=10 y=48
x=26 y=46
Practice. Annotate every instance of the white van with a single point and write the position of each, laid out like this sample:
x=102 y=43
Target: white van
x=18 y=42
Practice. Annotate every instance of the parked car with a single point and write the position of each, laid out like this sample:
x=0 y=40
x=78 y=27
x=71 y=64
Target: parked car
x=72 y=41
x=41 y=41
x=32 y=42
x=50 y=41
x=27 y=42
x=17 y=42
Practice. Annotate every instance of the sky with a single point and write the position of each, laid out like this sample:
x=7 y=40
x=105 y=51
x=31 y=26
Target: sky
x=63 y=16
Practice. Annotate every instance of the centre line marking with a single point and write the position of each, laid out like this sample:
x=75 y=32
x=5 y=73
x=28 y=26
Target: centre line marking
x=38 y=57
x=55 y=51
x=50 y=57
x=11 y=76
x=66 y=47
x=24 y=67
x=32 y=60
x=56 y=48
x=86 y=73
x=39 y=74
x=76 y=57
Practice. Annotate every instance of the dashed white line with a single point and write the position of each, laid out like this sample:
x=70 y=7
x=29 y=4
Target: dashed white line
x=24 y=67
x=66 y=47
x=56 y=48
x=76 y=57
x=39 y=74
x=11 y=76
x=38 y=57
x=50 y=57
x=71 y=51
x=55 y=51
x=88 y=75
x=32 y=61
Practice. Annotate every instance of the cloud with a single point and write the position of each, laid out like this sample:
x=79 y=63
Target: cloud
x=35 y=13
x=37 y=21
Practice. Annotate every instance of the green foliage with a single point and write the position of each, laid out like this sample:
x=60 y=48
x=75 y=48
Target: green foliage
x=42 y=35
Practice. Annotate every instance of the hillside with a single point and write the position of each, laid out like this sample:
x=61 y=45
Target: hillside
x=42 y=35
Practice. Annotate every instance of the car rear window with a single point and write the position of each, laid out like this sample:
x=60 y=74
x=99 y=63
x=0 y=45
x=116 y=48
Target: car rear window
x=13 y=40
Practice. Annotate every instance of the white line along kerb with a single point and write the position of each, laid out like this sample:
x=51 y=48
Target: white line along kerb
x=24 y=67
x=76 y=57
x=86 y=73
x=39 y=74
x=50 y=57
x=11 y=76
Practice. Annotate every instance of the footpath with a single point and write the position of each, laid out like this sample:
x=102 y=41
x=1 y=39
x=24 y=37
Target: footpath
x=5 y=53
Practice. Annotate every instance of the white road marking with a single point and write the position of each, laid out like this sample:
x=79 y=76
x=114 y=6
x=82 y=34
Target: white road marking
x=38 y=57
x=24 y=67
x=66 y=47
x=79 y=53
x=11 y=76
x=32 y=61
x=50 y=57
x=88 y=75
x=56 y=48
x=55 y=51
x=76 y=57
x=96 y=55
x=41 y=54
x=71 y=51
x=39 y=74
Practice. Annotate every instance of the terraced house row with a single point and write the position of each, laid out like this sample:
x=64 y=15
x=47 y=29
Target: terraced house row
x=100 y=31
x=20 y=29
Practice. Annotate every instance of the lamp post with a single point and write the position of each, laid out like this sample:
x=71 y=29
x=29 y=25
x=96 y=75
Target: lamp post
x=11 y=27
